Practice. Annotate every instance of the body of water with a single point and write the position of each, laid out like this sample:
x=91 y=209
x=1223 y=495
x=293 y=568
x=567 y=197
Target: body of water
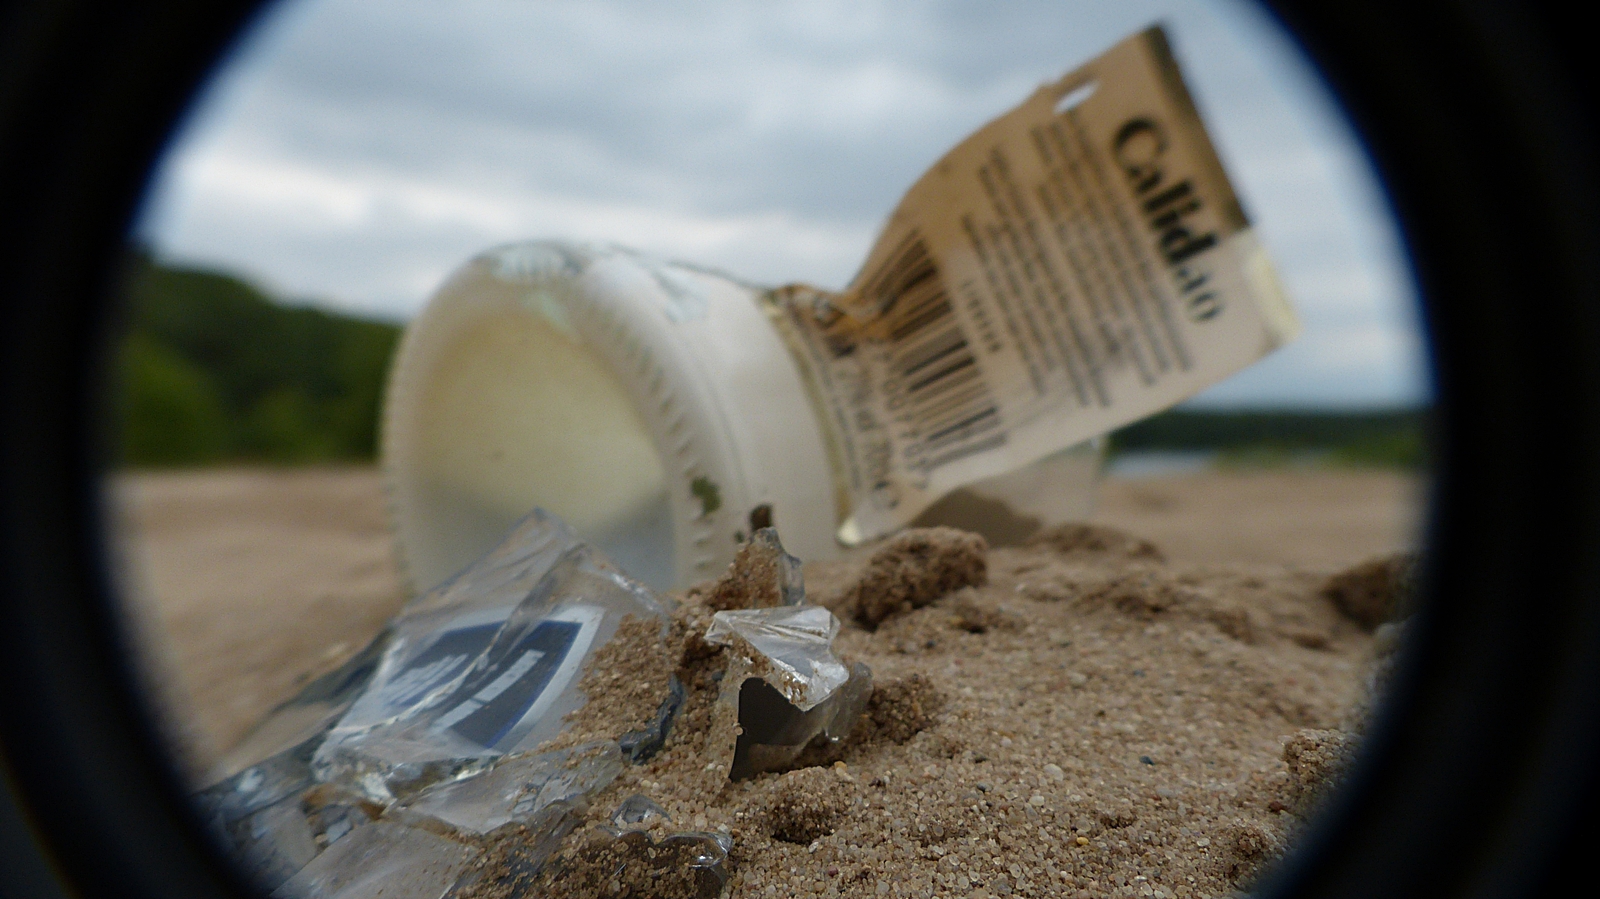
x=1159 y=463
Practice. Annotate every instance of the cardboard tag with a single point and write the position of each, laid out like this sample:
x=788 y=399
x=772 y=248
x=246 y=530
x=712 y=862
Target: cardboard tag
x=1077 y=264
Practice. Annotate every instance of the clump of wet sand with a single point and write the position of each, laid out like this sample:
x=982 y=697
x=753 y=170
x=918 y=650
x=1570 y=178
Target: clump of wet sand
x=1076 y=717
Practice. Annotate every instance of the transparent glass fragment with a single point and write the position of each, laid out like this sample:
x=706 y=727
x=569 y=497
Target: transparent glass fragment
x=308 y=716
x=791 y=648
x=273 y=842
x=640 y=745
x=638 y=811
x=390 y=775
x=333 y=812
x=784 y=686
x=266 y=783
x=790 y=582
x=465 y=682
x=706 y=854
x=505 y=574
x=440 y=636
x=630 y=856
x=515 y=859
x=691 y=862
x=773 y=732
x=762 y=575
x=518 y=788
x=382 y=859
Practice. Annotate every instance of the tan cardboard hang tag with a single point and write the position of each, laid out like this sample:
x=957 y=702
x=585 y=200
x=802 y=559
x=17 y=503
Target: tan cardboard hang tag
x=1075 y=265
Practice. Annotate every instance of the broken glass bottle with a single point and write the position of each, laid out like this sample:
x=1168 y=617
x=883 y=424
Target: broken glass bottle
x=485 y=666
x=395 y=771
x=784 y=686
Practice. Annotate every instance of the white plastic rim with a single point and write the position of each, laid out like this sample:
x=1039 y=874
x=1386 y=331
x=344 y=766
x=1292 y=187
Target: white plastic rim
x=651 y=405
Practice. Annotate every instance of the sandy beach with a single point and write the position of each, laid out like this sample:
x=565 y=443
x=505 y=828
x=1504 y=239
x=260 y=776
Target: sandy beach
x=1092 y=718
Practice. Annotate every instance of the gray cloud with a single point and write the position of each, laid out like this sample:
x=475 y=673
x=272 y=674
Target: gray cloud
x=353 y=153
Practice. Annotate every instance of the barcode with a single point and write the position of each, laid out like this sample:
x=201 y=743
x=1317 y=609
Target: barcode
x=934 y=386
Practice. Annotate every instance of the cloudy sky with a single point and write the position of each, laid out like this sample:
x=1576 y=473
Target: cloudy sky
x=352 y=152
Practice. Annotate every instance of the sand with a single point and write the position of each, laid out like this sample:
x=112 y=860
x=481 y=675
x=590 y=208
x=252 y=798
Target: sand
x=1140 y=712
x=244 y=585
x=1075 y=718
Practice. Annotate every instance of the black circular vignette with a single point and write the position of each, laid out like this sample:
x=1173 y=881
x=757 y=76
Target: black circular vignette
x=1480 y=769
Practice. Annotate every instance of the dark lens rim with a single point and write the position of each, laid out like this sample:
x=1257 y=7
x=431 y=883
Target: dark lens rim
x=89 y=94
x=1479 y=767
x=1477 y=774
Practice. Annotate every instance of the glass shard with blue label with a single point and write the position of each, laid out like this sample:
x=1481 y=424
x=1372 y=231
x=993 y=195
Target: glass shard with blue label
x=488 y=664
x=386 y=773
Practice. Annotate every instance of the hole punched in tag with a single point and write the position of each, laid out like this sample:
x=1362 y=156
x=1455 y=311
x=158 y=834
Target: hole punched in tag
x=1074 y=97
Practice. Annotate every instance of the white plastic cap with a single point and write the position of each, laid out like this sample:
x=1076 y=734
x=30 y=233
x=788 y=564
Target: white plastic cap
x=651 y=405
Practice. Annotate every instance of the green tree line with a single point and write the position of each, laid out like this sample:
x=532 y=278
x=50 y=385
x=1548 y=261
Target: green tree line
x=211 y=369
x=1389 y=437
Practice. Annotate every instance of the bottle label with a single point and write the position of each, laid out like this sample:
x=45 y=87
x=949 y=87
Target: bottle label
x=1075 y=265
